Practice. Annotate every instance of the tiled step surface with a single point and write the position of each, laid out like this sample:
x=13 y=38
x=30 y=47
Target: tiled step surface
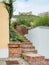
x=20 y=60
x=47 y=61
x=29 y=50
x=30 y=55
x=15 y=62
x=28 y=47
x=27 y=42
x=34 y=59
x=15 y=50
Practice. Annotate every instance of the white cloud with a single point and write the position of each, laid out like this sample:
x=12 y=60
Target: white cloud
x=36 y=6
x=20 y=5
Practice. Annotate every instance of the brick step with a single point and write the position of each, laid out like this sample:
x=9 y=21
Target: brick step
x=27 y=47
x=12 y=61
x=15 y=55
x=29 y=51
x=25 y=37
x=47 y=61
x=27 y=42
x=34 y=59
x=39 y=63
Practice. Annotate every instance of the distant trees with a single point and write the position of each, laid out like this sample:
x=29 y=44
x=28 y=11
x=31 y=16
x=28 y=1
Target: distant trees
x=41 y=21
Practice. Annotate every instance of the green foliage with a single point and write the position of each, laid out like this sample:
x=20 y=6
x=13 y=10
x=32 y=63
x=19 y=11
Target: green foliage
x=25 y=20
x=15 y=36
x=42 y=21
x=9 y=7
x=13 y=24
x=20 y=38
x=22 y=22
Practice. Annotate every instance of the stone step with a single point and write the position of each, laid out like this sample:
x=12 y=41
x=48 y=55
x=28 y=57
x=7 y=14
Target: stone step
x=28 y=47
x=34 y=59
x=27 y=42
x=12 y=62
x=29 y=51
x=39 y=63
x=23 y=45
x=47 y=61
x=18 y=60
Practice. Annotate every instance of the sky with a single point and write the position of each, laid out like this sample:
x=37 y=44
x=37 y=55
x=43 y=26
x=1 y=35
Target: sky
x=36 y=6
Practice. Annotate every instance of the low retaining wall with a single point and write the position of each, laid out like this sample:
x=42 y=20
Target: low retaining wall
x=14 y=50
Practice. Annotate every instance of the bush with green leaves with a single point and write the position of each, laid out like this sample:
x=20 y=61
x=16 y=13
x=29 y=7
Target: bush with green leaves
x=13 y=24
x=15 y=36
x=42 y=21
x=22 y=22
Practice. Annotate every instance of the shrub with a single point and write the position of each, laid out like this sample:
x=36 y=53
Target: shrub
x=15 y=36
x=22 y=22
x=42 y=21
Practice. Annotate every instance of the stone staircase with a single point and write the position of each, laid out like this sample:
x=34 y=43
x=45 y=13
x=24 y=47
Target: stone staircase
x=27 y=47
x=31 y=56
x=27 y=52
x=13 y=61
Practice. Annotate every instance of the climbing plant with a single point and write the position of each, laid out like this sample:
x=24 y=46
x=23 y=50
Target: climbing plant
x=9 y=7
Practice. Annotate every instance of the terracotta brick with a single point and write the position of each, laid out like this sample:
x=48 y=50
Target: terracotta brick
x=21 y=30
x=39 y=63
x=47 y=61
x=28 y=47
x=12 y=62
x=35 y=59
x=15 y=50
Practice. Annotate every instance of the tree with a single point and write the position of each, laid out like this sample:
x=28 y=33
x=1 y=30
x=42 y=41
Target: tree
x=41 y=21
x=9 y=7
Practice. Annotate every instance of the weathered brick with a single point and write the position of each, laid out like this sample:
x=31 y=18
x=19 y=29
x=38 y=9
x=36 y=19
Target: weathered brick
x=12 y=62
x=15 y=50
x=34 y=59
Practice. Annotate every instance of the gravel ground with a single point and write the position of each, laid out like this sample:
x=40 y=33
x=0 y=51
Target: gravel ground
x=20 y=60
